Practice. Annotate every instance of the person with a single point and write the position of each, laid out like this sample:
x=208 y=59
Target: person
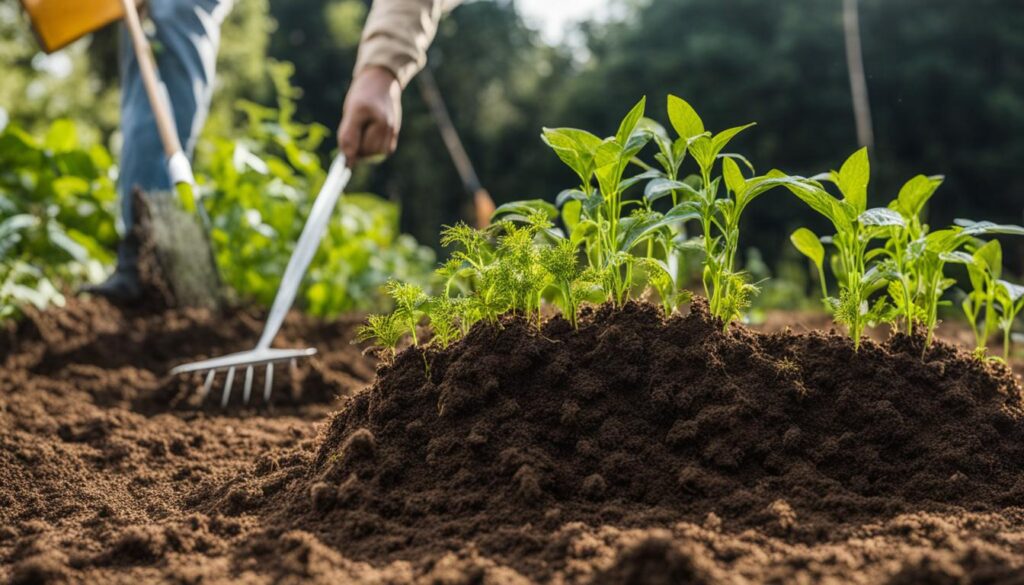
x=392 y=50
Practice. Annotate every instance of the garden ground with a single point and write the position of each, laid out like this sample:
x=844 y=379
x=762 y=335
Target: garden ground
x=635 y=450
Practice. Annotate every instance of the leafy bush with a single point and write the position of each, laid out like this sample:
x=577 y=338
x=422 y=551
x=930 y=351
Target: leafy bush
x=57 y=205
x=259 y=189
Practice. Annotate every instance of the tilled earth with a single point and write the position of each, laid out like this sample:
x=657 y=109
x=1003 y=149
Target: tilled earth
x=635 y=450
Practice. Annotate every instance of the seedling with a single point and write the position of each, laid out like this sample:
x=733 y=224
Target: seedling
x=386 y=331
x=1011 y=300
x=856 y=226
x=409 y=300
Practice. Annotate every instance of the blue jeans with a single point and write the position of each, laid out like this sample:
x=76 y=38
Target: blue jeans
x=187 y=38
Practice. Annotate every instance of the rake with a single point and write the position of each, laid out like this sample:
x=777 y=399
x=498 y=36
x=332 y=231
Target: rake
x=263 y=355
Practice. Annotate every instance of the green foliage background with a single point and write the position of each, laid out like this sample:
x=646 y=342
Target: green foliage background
x=945 y=78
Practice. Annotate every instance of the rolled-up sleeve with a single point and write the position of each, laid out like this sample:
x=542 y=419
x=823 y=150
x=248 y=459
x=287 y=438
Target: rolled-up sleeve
x=397 y=35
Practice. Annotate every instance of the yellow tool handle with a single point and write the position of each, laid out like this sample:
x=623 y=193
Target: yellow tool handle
x=147 y=66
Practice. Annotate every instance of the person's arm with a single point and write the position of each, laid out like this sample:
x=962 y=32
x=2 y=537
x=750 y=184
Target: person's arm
x=392 y=51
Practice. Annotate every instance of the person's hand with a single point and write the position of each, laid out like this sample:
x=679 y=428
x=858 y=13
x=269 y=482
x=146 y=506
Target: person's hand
x=372 y=115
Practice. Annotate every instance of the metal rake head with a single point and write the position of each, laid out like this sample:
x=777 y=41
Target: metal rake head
x=248 y=360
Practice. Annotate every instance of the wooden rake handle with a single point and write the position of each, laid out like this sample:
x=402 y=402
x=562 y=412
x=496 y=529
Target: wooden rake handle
x=158 y=100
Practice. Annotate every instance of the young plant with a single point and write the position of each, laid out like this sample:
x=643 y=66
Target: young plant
x=386 y=331
x=1011 y=300
x=719 y=216
x=593 y=213
x=444 y=314
x=906 y=265
x=409 y=302
x=856 y=227
x=984 y=269
x=561 y=262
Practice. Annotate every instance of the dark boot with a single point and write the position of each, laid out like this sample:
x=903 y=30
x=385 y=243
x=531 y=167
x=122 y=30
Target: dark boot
x=124 y=287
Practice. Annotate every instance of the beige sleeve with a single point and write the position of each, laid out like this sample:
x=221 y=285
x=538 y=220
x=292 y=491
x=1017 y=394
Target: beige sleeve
x=397 y=35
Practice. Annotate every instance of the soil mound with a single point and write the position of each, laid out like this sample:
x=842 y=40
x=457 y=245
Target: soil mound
x=637 y=421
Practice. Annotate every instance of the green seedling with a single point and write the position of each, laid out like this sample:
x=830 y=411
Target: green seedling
x=386 y=331
x=561 y=262
x=409 y=302
x=856 y=227
x=984 y=268
x=1011 y=300
x=444 y=314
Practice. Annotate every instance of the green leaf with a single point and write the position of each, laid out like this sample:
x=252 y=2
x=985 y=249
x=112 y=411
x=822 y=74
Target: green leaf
x=881 y=216
x=808 y=243
x=987 y=228
x=734 y=180
x=62 y=136
x=819 y=200
x=526 y=208
x=957 y=257
x=639 y=230
x=725 y=136
x=652 y=174
x=684 y=118
x=991 y=256
x=575 y=148
x=915 y=193
x=853 y=180
x=1014 y=292
x=630 y=122
x=571 y=213
x=569 y=195
x=661 y=187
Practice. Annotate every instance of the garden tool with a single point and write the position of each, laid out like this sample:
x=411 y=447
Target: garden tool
x=182 y=248
x=313 y=232
x=483 y=205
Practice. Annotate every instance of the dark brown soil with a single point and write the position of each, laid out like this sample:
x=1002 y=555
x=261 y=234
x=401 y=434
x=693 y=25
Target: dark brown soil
x=635 y=450
x=100 y=451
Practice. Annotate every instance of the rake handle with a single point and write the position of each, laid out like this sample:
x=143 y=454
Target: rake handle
x=151 y=81
x=305 y=249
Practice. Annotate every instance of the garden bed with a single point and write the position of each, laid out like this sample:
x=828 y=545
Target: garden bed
x=636 y=449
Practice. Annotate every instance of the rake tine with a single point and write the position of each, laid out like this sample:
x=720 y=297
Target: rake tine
x=248 y=385
x=227 y=388
x=269 y=383
x=207 y=385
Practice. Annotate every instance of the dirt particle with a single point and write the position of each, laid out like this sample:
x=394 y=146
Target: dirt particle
x=322 y=496
x=360 y=445
x=137 y=545
x=43 y=568
x=570 y=413
x=658 y=560
x=593 y=487
x=350 y=492
x=782 y=515
x=527 y=484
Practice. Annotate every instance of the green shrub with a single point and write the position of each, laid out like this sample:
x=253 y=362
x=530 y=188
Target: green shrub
x=57 y=205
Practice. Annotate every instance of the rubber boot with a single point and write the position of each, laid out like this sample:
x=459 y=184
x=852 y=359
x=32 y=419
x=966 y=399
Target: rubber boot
x=123 y=287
